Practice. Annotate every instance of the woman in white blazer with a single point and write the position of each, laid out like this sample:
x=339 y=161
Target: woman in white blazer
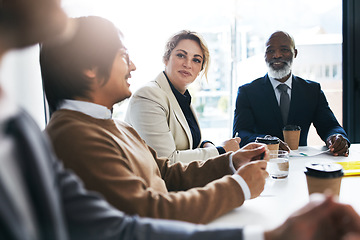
x=161 y=111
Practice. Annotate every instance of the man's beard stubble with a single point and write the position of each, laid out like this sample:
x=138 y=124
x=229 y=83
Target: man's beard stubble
x=279 y=73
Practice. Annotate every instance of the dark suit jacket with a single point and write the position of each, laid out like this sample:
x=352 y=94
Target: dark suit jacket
x=64 y=210
x=257 y=112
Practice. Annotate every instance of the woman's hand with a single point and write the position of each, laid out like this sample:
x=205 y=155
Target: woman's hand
x=233 y=144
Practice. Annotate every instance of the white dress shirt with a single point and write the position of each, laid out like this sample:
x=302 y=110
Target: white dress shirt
x=275 y=83
x=91 y=109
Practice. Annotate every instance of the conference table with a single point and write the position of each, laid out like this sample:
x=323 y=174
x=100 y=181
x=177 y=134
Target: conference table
x=282 y=197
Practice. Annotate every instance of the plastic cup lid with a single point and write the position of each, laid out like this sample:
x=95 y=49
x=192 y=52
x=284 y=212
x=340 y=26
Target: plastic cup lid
x=268 y=140
x=291 y=128
x=324 y=170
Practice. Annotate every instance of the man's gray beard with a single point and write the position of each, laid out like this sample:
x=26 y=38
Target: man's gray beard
x=281 y=73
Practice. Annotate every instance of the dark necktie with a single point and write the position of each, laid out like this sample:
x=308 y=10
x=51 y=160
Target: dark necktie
x=284 y=102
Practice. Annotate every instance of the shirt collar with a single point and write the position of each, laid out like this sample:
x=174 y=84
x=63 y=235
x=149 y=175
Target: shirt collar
x=276 y=83
x=181 y=98
x=92 y=109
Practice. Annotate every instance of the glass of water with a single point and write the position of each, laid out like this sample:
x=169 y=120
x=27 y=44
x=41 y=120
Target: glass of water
x=278 y=165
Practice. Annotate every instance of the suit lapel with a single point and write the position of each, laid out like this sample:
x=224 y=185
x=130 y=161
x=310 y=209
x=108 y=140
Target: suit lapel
x=9 y=219
x=35 y=165
x=163 y=83
x=271 y=102
x=295 y=100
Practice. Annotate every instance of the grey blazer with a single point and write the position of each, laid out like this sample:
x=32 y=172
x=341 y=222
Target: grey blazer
x=65 y=210
x=156 y=115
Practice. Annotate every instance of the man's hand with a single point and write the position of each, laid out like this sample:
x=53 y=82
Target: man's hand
x=338 y=145
x=321 y=219
x=254 y=174
x=250 y=152
x=233 y=144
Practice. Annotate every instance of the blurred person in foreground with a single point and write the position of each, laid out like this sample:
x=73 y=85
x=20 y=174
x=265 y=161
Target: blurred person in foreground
x=40 y=200
x=83 y=78
x=259 y=110
x=161 y=111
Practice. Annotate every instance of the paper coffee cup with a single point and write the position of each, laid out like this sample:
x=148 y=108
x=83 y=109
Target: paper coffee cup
x=292 y=136
x=271 y=142
x=322 y=177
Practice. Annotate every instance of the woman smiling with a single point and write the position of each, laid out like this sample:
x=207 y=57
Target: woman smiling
x=161 y=111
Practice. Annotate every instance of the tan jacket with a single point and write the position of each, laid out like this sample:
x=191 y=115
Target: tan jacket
x=111 y=158
x=156 y=115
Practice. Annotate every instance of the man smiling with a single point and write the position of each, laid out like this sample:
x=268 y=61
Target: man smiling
x=40 y=200
x=83 y=79
x=266 y=105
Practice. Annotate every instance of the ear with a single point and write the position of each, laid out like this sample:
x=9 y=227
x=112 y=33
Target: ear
x=295 y=53
x=166 y=62
x=90 y=73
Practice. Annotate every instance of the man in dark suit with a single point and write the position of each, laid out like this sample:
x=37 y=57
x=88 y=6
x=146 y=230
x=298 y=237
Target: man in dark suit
x=259 y=111
x=40 y=200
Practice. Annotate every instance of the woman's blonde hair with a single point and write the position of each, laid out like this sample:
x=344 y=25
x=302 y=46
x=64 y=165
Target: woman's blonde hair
x=185 y=34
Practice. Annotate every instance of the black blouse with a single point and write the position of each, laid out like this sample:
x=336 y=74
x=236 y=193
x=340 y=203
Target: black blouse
x=184 y=101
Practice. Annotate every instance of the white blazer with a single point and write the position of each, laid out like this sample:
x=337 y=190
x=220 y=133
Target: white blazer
x=156 y=115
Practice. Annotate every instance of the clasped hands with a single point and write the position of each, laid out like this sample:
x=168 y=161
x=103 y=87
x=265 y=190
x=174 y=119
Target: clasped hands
x=338 y=145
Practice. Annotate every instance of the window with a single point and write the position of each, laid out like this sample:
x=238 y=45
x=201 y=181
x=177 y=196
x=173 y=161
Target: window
x=235 y=31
